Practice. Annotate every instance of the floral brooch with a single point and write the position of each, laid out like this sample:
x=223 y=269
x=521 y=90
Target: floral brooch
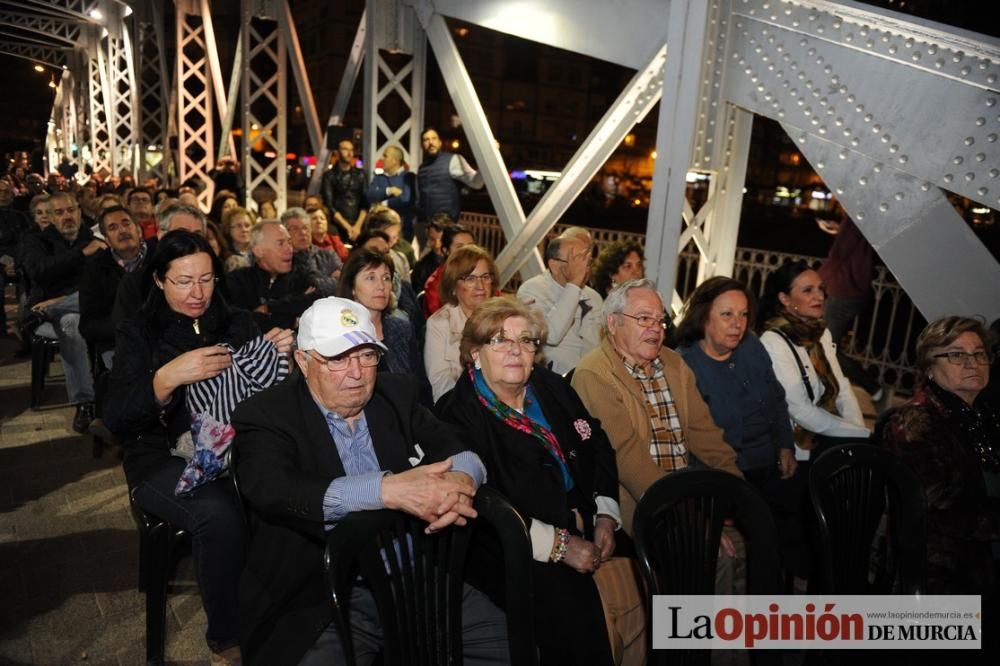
x=583 y=428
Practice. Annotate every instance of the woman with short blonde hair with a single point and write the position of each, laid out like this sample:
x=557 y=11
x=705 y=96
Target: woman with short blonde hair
x=468 y=279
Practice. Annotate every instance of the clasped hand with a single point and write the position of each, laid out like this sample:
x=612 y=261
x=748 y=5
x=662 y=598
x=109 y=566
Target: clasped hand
x=585 y=556
x=433 y=493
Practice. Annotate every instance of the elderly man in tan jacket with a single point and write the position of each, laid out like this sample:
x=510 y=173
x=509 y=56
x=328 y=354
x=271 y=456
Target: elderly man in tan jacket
x=646 y=397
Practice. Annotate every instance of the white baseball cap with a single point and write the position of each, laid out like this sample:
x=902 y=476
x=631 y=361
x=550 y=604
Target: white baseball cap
x=332 y=326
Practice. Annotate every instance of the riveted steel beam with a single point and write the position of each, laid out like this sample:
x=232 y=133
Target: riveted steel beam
x=861 y=92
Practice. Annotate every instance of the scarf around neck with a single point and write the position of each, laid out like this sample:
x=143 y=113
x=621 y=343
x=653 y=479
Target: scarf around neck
x=807 y=334
x=521 y=422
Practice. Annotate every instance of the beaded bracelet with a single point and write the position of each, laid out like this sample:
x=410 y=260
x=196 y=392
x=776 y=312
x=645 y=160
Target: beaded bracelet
x=559 y=548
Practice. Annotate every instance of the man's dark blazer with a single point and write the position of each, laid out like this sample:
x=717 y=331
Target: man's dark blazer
x=286 y=460
x=98 y=287
x=54 y=264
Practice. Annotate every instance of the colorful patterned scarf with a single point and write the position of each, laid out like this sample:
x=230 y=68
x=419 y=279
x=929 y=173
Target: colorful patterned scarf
x=806 y=334
x=521 y=422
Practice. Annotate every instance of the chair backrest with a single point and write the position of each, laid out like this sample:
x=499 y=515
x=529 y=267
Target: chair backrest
x=512 y=531
x=678 y=527
x=871 y=512
x=415 y=578
x=230 y=461
x=881 y=423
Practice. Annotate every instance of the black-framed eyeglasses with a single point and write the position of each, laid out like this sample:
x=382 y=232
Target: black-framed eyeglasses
x=367 y=358
x=956 y=357
x=646 y=321
x=503 y=344
x=187 y=284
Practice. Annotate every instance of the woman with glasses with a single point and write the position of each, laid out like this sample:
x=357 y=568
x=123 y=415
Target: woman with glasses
x=468 y=279
x=181 y=336
x=820 y=400
x=950 y=436
x=236 y=225
x=367 y=279
x=550 y=458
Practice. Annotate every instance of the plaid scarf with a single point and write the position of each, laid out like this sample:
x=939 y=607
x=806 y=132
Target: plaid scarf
x=806 y=334
x=667 y=445
x=519 y=421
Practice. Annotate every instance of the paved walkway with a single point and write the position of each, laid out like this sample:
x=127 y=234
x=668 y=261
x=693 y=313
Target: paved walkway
x=68 y=545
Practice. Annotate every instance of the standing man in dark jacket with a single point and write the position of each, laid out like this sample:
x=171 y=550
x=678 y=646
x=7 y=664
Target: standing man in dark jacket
x=343 y=191
x=267 y=288
x=54 y=260
x=439 y=179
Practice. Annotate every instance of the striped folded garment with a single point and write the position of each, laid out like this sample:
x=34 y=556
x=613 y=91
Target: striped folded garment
x=255 y=366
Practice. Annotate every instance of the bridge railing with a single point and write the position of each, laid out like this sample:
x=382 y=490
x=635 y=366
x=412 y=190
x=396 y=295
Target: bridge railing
x=882 y=338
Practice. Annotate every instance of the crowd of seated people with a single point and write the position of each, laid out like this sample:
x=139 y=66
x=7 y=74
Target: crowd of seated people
x=565 y=397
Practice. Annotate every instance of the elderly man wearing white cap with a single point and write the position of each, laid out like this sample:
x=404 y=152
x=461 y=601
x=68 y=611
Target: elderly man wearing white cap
x=326 y=443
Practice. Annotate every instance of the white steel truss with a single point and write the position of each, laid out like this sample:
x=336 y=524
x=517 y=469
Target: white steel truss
x=858 y=88
x=632 y=105
x=264 y=98
x=121 y=103
x=98 y=119
x=153 y=85
x=50 y=28
x=392 y=27
x=221 y=100
x=74 y=9
x=195 y=149
x=52 y=56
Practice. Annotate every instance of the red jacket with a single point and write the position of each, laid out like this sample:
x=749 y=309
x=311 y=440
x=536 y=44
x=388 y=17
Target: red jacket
x=432 y=301
x=333 y=242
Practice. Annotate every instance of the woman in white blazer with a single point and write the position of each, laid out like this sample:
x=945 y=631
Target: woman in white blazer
x=820 y=398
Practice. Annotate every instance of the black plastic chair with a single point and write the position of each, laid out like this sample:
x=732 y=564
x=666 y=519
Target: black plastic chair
x=43 y=350
x=512 y=531
x=415 y=578
x=872 y=519
x=677 y=529
x=159 y=551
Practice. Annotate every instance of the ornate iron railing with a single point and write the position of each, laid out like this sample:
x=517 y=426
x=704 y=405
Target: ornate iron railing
x=882 y=338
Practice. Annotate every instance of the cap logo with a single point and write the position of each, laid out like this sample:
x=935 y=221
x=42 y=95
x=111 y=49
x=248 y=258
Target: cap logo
x=348 y=319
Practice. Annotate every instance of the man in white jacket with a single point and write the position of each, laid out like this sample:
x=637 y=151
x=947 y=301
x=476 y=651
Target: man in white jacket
x=572 y=310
